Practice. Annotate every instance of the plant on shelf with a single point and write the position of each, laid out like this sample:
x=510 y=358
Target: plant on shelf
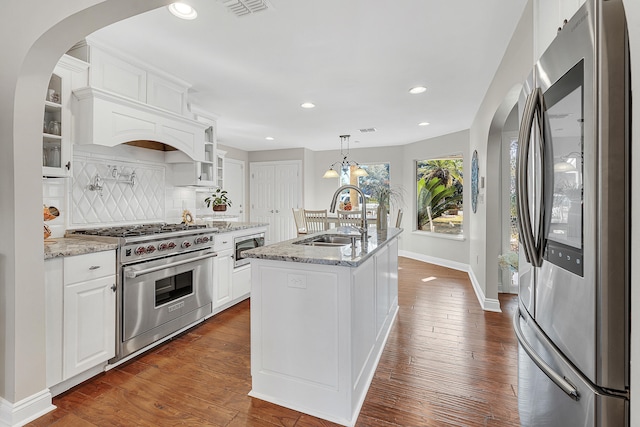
x=219 y=200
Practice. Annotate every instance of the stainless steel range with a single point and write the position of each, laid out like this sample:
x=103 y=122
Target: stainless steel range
x=165 y=272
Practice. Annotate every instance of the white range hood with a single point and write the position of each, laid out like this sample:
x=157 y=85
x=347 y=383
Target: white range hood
x=124 y=100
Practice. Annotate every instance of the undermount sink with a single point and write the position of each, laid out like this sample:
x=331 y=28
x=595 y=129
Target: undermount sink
x=327 y=240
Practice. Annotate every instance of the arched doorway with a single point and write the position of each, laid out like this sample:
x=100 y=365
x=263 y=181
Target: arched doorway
x=35 y=34
x=494 y=188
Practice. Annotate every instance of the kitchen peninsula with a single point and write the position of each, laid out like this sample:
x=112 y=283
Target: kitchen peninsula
x=321 y=311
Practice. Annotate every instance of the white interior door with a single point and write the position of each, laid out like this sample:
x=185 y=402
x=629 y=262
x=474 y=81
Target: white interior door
x=275 y=190
x=262 y=196
x=287 y=197
x=234 y=183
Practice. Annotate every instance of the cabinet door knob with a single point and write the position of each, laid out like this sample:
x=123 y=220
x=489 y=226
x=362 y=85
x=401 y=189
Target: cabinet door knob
x=277 y=211
x=113 y=287
x=68 y=165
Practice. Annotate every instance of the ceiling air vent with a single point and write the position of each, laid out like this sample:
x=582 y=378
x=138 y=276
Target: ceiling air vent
x=367 y=130
x=245 y=7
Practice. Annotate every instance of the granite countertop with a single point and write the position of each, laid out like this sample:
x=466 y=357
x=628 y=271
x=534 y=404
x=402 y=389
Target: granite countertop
x=229 y=226
x=69 y=246
x=335 y=255
x=83 y=244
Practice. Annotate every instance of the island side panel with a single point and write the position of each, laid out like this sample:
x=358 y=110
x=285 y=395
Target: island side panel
x=300 y=335
x=378 y=277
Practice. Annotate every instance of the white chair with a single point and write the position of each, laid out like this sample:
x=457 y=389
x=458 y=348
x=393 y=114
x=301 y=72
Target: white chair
x=316 y=220
x=298 y=217
x=349 y=218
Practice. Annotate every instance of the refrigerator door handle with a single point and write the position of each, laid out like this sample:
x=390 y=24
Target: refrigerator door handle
x=559 y=380
x=524 y=139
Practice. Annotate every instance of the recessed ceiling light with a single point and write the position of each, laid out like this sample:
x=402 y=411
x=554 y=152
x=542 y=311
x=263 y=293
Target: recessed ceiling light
x=269 y=138
x=423 y=124
x=416 y=90
x=308 y=105
x=182 y=11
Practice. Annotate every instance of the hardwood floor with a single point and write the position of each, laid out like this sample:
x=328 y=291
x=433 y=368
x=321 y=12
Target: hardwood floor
x=446 y=363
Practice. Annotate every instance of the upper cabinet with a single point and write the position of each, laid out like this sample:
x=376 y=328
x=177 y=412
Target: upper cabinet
x=200 y=173
x=128 y=101
x=68 y=74
x=549 y=18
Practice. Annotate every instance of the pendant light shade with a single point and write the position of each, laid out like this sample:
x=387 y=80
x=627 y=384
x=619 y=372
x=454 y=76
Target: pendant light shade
x=344 y=163
x=331 y=173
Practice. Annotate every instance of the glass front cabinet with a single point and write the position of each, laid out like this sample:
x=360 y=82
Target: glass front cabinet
x=69 y=73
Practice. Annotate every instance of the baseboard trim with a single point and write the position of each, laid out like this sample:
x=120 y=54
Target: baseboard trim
x=487 y=304
x=25 y=410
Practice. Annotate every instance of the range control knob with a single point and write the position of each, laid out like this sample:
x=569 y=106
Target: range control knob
x=163 y=247
x=197 y=240
x=151 y=249
x=140 y=250
x=205 y=239
x=171 y=245
x=186 y=244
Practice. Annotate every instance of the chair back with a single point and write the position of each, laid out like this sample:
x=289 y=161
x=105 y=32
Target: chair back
x=350 y=218
x=298 y=217
x=399 y=218
x=316 y=220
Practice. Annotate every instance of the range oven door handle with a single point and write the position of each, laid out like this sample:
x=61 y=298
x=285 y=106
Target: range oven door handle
x=558 y=379
x=132 y=274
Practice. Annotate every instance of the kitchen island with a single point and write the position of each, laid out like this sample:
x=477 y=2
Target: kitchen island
x=320 y=317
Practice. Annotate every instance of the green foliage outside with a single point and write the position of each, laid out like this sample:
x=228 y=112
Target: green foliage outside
x=439 y=191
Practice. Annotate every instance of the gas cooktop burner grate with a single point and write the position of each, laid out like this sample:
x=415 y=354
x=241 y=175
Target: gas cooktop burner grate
x=138 y=230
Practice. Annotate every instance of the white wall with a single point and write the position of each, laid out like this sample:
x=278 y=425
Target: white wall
x=485 y=135
x=426 y=244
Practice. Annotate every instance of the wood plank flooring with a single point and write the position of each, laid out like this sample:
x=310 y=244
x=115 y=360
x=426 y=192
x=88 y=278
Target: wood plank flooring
x=447 y=363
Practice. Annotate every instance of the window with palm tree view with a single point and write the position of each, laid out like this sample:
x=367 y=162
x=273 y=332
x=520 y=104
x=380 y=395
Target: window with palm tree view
x=439 y=193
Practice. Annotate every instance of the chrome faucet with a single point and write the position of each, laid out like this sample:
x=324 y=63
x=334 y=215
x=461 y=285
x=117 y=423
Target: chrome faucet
x=363 y=231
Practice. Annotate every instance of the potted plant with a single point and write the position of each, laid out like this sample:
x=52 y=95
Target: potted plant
x=219 y=200
x=386 y=196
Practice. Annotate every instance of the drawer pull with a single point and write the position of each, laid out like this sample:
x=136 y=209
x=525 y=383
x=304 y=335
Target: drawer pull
x=94 y=267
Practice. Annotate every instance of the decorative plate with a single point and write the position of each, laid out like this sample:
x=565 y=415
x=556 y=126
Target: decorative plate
x=474 y=181
x=187 y=218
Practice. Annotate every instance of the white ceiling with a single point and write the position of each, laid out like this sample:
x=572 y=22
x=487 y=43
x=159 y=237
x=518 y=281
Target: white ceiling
x=355 y=59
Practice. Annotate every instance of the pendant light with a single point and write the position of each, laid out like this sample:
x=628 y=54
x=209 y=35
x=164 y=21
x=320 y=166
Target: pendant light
x=344 y=163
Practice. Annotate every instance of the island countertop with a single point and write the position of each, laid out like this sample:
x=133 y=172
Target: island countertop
x=293 y=251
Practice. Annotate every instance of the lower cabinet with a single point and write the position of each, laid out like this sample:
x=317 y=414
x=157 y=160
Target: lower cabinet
x=241 y=282
x=89 y=324
x=230 y=284
x=222 y=277
x=80 y=314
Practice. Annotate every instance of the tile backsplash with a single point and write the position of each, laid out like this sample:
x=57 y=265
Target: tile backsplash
x=118 y=202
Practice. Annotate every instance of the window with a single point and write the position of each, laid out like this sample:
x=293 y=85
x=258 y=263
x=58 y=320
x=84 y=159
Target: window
x=439 y=194
x=378 y=176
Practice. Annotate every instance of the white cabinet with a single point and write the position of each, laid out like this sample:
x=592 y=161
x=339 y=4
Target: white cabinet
x=80 y=314
x=549 y=17
x=222 y=279
x=56 y=126
x=222 y=271
x=53 y=291
x=241 y=282
x=89 y=324
x=275 y=191
x=201 y=173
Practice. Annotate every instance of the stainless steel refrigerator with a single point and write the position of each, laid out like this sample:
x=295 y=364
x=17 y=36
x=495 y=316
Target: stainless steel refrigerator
x=573 y=187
